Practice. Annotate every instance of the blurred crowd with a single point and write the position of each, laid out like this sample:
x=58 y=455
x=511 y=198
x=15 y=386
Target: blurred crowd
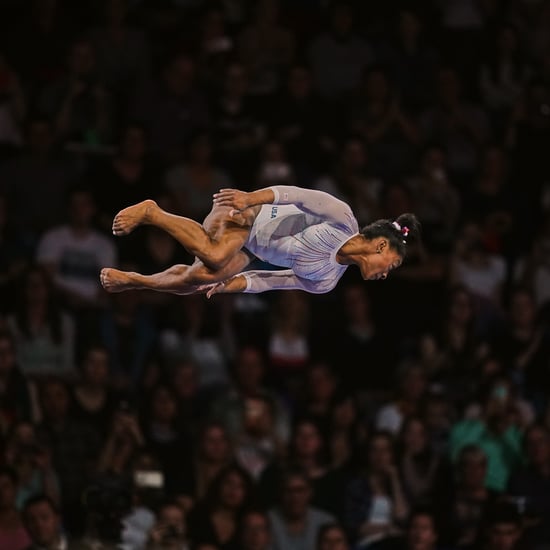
x=406 y=414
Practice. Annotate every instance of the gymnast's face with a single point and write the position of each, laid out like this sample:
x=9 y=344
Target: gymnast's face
x=378 y=263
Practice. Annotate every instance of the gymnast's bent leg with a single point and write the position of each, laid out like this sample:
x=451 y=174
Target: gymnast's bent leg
x=178 y=279
x=214 y=243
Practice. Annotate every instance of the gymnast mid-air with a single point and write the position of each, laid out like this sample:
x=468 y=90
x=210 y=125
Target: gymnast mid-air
x=312 y=234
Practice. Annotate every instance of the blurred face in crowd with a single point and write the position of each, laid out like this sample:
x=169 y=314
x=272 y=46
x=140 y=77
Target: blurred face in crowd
x=307 y=440
x=380 y=454
x=473 y=469
x=421 y=533
x=461 y=307
x=256 y=533
x=537 y=446
x=333 y=538
x=96 y=367
x=354 y=156
x=321 y=382
x=82 y=59
x=503 y=536
x=172 y=515
x=414 y=436
x=43 y=523
x=249 y=369
x=184 y=380
x=164 y=406
x=55 y=400
x=522 y=309
x=296 y=495
x=299 y=82
x=214 y=444
x=179 y=75
x=81 y=209
x=232 y=490
x=134 y=143
x=414 y=383
x=235 y=83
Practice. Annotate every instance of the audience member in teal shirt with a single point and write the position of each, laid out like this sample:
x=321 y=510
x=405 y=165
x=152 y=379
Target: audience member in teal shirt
x=496 y=433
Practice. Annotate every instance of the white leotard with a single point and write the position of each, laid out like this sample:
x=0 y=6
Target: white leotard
x=302 y=230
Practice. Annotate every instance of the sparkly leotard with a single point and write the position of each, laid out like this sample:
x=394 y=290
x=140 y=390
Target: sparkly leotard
x=302 y=230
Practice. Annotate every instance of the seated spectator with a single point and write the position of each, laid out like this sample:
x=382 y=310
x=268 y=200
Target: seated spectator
x=376 y=115
x=18 y=399
x=31 y=459
x=494 y=431
x=127 y=330
x=170 y=529
x=308 y=452
x=426 y=474
x=258 y=445
x=216 y=518
x=332 y=536
x=255 y=531
x=75 y=252
x=295 y=522
x=43 y=523
x=192 y=183
x=44 y=332
x=74 y=447
x=162 y=433
x=338 y=54
x=171 y=107
x=502 y=528
x=94 y=399
x=375 y=503
x=13 y=534
x=78 y=101
x=530 y=483
x=412 y=385
x=266 y=47
x=40 y=174
x=422 y=533
x=461 y=126
x=470 y=499
x=248 y=370
x=274 y=166
x=211 y=453
x=13 y=107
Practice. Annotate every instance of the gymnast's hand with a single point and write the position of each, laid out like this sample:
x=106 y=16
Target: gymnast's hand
x=237 y=200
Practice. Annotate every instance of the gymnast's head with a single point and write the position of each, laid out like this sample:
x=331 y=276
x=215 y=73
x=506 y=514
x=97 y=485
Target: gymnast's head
x=386 y=245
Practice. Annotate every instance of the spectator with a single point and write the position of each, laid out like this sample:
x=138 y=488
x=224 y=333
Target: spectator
x=31 y=460
x=375 y=504
x=13 y=107
x=94 y=399
x=412 y=385
x=425 y=473
x=122 y=51
x=74 y=252
x=13 y=534
x=274 y=167
x=458 y=125
x=74 y=448
x=376 y=115
x=529 y=484
x=295 y=523
x=44 y=524
x=332 y=536
x=471 y=496
x=18 y=400
x=45 y=334
x=502 y=528
x=266 y=48
x=248 y=371
x=170 y=530
x=171 y=108
x=78 y=101
x=338 y=55
x=216 y=519
x=40 y=174
x=192 y=184
x=496 y=433
x=255 y=531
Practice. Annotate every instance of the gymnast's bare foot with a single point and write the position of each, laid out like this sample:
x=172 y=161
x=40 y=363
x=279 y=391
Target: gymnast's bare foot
x=129 y=218
x=114 y=280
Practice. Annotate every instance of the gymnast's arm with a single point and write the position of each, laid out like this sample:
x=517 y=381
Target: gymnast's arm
x=256 y=281
x=311 y=201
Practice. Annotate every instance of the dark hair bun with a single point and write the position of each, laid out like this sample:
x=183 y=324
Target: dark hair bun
x=409 y=221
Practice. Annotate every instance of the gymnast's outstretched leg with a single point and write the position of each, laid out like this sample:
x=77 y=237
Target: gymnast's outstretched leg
x=214 y=243
x=178 y=279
